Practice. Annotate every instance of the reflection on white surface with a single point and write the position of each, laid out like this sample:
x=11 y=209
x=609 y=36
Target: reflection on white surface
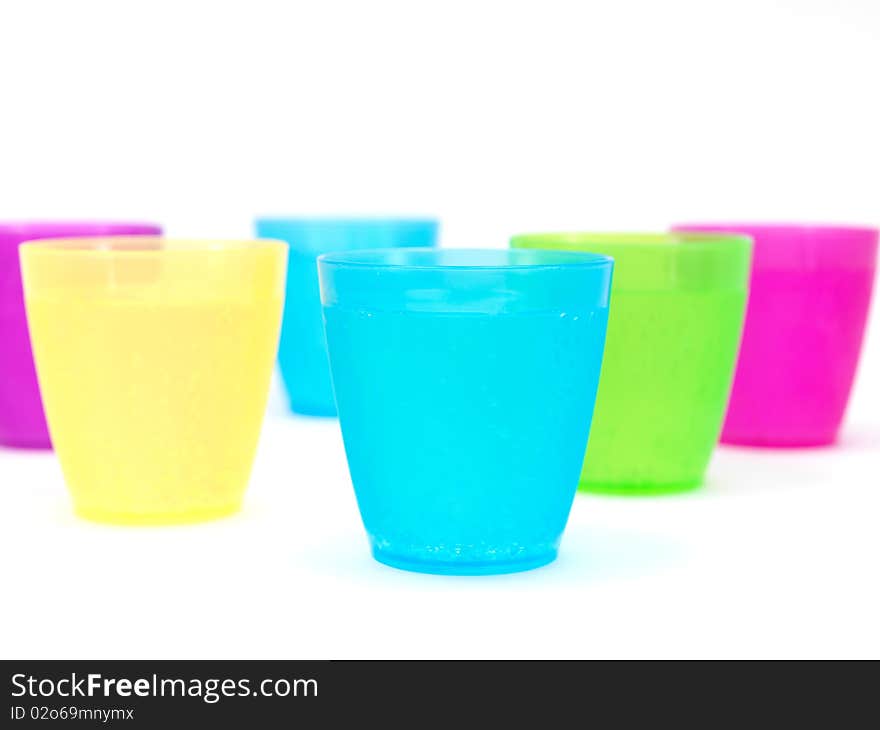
x=776 y=556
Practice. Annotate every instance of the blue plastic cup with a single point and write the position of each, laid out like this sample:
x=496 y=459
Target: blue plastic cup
x=465 y=381
x=302 y=352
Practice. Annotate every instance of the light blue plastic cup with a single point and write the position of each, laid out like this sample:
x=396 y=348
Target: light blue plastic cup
x=302 y=352
x=465 y=381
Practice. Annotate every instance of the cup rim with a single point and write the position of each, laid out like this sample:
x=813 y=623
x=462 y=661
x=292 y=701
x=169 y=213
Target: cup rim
x=345 y=220
x=375 y=258
x=84 y=223
x=39 y=229
x=757 y=228
x=144 y=245
x=667 y=240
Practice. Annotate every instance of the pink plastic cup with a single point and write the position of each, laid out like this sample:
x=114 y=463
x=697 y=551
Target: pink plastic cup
x=810 y=290
x=22 y=423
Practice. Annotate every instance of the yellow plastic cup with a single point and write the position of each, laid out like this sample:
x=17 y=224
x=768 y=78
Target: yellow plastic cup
x=154 y=358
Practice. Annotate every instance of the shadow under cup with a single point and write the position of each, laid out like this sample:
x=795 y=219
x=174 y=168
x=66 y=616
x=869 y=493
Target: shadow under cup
x=302 y=353
x=22 y=421
x=154 y=359
x=677 y=306
x=465 y=381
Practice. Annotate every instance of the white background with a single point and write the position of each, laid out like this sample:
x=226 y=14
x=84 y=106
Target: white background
x=497 y=117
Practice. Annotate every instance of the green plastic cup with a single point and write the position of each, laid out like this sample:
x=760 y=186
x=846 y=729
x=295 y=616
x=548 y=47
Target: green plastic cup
x=676 y=317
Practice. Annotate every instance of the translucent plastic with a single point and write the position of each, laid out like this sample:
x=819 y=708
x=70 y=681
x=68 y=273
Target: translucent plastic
x=302 y=355
x=676 y=317
x=810 y=290
x=465 y=381
x=154 y=359
x=22 y=422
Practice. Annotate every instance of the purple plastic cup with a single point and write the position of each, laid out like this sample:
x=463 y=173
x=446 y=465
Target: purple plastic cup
x=22 y=422
x=808 y=303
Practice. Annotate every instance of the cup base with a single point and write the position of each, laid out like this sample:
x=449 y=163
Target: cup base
x=301 y=409
x=779 y=443
x=434 y=567
x=36 y=444
x=158 y=519
x=624 y=489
